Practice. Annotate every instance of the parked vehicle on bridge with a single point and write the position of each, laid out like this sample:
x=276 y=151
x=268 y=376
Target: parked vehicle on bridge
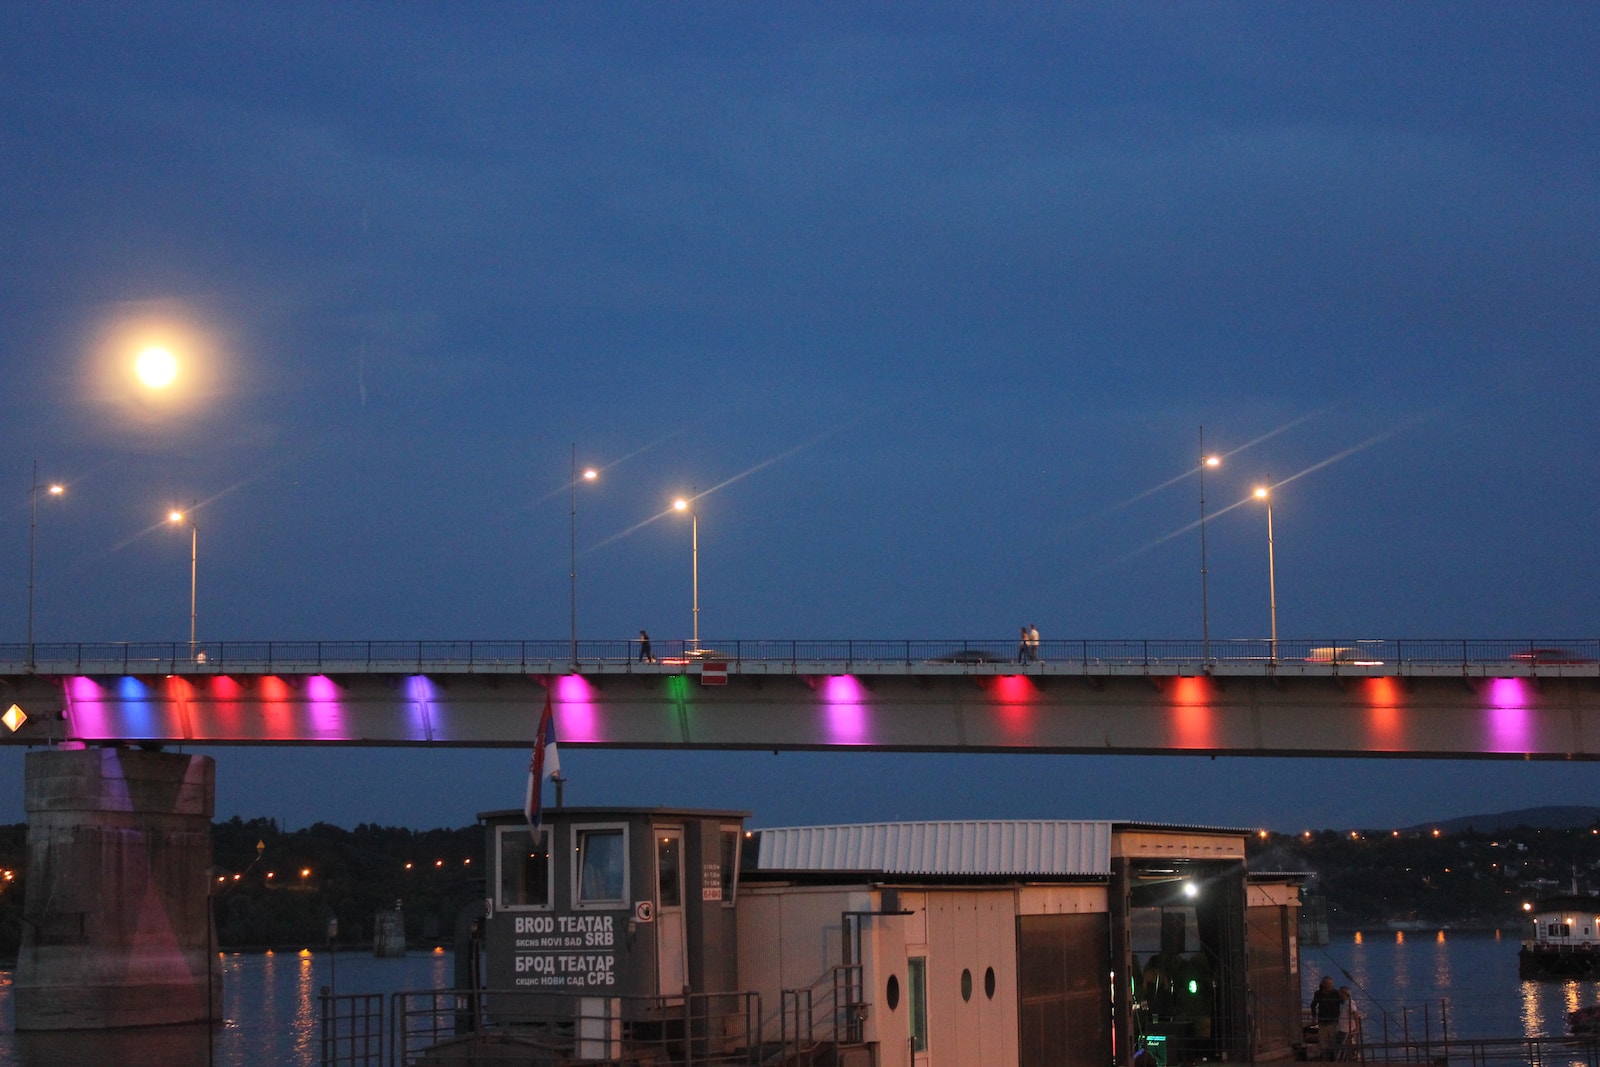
x=972 y=655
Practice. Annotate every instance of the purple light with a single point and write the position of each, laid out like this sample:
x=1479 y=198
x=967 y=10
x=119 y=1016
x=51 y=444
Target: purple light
x=845 y=701
x=1508 y=693
x=420 y=690
x=327 y=713
x=574 y=709
x=1508 y=715
x=86 y=709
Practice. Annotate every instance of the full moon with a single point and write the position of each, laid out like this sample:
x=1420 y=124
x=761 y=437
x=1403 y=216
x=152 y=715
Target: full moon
x=156 y=367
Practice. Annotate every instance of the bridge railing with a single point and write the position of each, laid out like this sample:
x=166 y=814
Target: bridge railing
x=546 y=656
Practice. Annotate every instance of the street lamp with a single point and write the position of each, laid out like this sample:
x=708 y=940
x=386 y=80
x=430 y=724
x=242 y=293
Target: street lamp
x=54 y=489
x=681 y=504
x=177 y=517
x=1205 y=606
x=1265 y=493
x=589 y=475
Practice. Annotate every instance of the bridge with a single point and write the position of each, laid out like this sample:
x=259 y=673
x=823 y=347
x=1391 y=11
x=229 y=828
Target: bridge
x=106 y=808
x=1505 y=699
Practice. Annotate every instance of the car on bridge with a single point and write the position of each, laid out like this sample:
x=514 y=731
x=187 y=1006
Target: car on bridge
x=1345 y=654
x=1547 y=656
x=972 y=655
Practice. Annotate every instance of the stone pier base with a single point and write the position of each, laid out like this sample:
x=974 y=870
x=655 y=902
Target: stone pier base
x=116 y=925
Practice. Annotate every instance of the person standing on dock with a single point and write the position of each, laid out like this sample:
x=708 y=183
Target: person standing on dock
x=1349 y=1024
x=1326 y=1004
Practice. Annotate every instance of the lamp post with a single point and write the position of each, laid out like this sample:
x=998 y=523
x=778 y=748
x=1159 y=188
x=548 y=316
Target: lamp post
x=589 y=475
x=176 y=517
x=1265 y=493
x=54 y=489
x=681 y=504
x=1205 y=604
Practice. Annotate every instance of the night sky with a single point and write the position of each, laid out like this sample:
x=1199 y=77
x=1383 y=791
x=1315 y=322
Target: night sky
x=934 y=299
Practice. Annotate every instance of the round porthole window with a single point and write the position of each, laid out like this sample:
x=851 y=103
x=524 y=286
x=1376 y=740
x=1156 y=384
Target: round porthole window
x=891 y=995
x=966 y=984
x=988 y=983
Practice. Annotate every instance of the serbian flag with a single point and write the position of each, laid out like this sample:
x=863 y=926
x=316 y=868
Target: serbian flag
x=546 y=763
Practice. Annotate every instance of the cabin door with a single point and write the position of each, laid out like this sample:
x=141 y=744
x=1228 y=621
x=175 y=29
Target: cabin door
x=672 y=971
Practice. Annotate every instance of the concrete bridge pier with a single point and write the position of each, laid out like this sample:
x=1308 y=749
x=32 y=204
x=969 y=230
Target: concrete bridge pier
x=116 y=925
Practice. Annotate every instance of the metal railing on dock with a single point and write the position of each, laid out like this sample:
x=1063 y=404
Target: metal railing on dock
x=1472 y=1052
x=441 y=1028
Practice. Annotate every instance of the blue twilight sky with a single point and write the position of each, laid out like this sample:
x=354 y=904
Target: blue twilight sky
x=953 y=285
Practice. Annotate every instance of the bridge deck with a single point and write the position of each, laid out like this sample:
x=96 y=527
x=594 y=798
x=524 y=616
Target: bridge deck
x=1497 y=700
x=1472 y=657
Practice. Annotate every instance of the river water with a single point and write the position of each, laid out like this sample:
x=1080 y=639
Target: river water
x=1408 y=985
x=1413 y=985
x=269 y=1003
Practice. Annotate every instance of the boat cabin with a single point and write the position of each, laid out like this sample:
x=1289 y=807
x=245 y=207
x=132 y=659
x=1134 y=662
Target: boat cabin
x=1563 y=940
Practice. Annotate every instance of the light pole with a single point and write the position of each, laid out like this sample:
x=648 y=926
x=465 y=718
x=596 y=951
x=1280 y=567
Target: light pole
x=589 y=475
x=176 y=517
x=54 y=489
x=1205 y=605
x=681 y=504
x=1265 y=493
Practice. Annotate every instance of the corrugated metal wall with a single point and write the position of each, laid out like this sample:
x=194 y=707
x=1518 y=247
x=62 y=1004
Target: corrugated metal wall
x=1028 y=847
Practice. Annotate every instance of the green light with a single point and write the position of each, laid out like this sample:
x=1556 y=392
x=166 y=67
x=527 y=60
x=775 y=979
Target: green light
x=1194 y=987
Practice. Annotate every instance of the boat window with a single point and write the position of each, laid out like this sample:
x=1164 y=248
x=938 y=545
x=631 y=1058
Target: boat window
x=729 y=864
x=917 y=995
x=602 y=868
x=523 y=878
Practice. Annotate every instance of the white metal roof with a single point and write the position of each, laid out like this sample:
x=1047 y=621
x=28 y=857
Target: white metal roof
x=1012 y=847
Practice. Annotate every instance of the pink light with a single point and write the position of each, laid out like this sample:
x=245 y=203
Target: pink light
x=574 y=709
x=327 y=713
x=225 y=688
x=845 y=704
x=86 y=709
x=1508 y=715
x=223 y=694
x=1508 y=693
x=1013 y=695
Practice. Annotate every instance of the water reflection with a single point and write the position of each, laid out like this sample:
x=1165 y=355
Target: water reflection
x=305 y=1016
x=1532 y=1021
x=270 y=1015
x=1463 y=985
x=151 y=1046
x=1441 y=970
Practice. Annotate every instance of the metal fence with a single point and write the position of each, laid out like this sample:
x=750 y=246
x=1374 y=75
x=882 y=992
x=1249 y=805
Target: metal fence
x=1477 y=1052
x=1420 y=1034
x=548 y=657
x=351 y=1031
x=441 y=1028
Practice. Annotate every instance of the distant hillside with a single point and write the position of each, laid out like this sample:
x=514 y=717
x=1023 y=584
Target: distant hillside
x=1569 y=817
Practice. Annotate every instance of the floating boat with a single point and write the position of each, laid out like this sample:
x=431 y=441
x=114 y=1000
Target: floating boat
x=1584 y=1020
x=1564 y=941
